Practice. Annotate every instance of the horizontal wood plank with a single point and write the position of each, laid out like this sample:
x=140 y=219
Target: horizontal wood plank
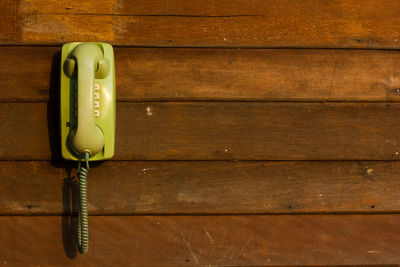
x=206 y=23
x=219 y=131
x=275 y=240
x=198 y=187
x=176 y=74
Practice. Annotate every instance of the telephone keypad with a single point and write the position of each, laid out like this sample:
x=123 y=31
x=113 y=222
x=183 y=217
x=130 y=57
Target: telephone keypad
x=96 y=102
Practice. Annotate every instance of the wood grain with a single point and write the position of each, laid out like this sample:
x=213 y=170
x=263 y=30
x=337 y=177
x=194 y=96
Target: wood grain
x=198 y=187
x=206 y=23
x=276 y=240
x=219 y=131
x=208 y=137
x=151 y=74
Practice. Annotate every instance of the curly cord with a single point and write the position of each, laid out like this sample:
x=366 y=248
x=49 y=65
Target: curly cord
x=83 y=223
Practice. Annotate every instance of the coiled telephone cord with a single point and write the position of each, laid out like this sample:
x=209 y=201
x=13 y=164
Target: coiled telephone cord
x=83 y=223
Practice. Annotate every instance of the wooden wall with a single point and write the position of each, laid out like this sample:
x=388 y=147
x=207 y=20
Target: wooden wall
x=249 y=133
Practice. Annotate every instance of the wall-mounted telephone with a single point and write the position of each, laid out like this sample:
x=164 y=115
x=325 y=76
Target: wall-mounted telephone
x=87 y=110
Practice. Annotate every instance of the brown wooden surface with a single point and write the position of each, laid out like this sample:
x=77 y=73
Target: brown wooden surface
x=216 y=74
x=216 y=212
x=206 y=23
x=219 y=131
x=190 y=187
x=204 y=240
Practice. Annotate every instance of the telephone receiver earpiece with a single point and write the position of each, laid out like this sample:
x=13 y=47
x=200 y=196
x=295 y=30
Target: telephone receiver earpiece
x=86 y=63
x=101 y=72
x=103 y=68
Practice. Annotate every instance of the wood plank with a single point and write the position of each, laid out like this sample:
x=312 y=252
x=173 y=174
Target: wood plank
x=198 y=187
x=150 y=74
x=219 y=131
x=277 y=240
x=206 y=23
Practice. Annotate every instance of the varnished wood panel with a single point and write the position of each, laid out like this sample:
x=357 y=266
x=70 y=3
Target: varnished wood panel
x=206 y=23
x=219 y=131
x=32 y=73
x=204 y=240
x=208 y=131
x=187 y=187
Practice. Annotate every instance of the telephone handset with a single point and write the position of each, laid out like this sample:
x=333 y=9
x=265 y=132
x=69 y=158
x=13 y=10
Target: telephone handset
x=87 y=101
x=87 y=112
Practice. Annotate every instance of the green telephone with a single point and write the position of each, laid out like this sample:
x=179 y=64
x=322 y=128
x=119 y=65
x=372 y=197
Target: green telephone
x=87 y=111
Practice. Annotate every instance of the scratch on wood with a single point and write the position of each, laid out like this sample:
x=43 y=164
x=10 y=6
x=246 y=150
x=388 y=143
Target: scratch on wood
x=196 y=260
x=241 y=251
x=209 y=236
